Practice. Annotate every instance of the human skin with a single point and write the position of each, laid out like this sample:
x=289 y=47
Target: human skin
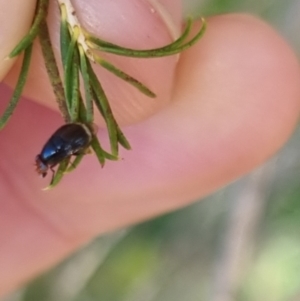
x=223 y=107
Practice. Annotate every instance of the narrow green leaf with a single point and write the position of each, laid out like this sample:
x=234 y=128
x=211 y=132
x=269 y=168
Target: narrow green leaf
x=82 y=110
x=61 y=170
x=103 y=106
x=73 y=165
x=77 y=106
x=68 y=75
x=129 y=79
x=18 y=89
x=40 y=15
x=95 y=144
x=122 y=139
x=75 y=93
x=65 y=38
x=99 y=107
x=101 y=43
x=87 y=86
x=109 y=156
x=167 y=50
x=120 y=136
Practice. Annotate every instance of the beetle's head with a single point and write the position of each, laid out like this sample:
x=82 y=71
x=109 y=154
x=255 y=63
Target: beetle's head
x=41 y=167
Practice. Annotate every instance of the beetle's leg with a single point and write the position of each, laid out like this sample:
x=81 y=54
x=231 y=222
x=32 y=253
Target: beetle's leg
x=53 y=173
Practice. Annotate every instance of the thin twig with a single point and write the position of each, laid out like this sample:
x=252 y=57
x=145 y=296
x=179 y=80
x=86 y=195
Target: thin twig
x=52 y=70
x=75 y=24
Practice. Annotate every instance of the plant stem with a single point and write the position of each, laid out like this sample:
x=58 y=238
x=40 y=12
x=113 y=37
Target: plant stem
x=52 y=70
x=75 y=24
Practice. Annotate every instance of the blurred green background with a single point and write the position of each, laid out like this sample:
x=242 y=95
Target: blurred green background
x=242 y=243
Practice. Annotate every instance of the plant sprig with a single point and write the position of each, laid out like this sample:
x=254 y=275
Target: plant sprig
x=78 y=54
x=173 y=48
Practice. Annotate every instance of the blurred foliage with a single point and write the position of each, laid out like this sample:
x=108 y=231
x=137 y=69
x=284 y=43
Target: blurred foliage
x=183 y=255
x=282 y=14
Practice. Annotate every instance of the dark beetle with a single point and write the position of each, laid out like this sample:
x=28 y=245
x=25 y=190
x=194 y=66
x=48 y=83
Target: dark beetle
x=70 y=139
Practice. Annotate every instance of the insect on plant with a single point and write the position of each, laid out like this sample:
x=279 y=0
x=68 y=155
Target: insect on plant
x=70 y=139
x=79 y=51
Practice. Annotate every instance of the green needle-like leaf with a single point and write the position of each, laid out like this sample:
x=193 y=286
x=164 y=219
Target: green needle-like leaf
x=97 y=147
x=61 y=170
x=129 y=79
x=82 y=110
x=103 y=106
x=110 y=156
x=75 y=93
x=87 y=86
x=76 y=100
x=18 y=89
x=68 y=68
x=120 y=136
x=122 y=139
x=95 y=144
x=170 y=49
x=41 y=13
x=73 y=165
x=65 y=38
x=93 y=41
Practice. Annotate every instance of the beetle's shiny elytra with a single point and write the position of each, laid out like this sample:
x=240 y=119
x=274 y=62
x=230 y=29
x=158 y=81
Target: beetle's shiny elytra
x=70 y=139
